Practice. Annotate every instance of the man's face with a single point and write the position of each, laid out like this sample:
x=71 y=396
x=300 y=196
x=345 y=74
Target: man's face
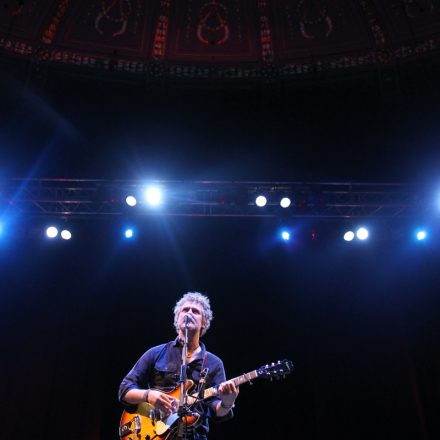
x=195 y=314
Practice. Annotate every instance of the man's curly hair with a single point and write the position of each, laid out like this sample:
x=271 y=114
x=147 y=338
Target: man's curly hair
x=197 y=298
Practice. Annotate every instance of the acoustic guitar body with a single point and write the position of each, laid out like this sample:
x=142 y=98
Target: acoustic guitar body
x=148 y=423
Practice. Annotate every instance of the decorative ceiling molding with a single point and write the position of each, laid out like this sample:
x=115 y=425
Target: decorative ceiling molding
x=221 y=39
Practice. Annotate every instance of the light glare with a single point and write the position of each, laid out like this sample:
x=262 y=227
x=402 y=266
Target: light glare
x=362 y=233
x=421 y=235
x=131 y=200
x=129 y=233
x=66 y=234
x=261 y=201
x=349 y=236
x=153 y=196
x=51 y=232
x=285 y=202
x=285 y=235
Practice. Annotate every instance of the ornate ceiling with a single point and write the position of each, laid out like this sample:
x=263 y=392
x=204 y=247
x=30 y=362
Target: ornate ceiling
x=220 y=39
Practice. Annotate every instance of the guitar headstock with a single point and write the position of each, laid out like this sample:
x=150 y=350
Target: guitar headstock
x=276 y=369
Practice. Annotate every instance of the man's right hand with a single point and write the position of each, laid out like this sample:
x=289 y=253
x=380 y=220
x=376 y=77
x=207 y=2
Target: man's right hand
x=162 y=401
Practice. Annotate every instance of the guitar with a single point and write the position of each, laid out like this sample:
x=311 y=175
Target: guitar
x=148 y=423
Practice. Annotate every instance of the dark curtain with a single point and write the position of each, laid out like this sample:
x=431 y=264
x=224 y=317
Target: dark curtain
x=361 y=324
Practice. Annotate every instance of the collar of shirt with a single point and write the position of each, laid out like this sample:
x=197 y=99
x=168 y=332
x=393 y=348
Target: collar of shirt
x=178 y=343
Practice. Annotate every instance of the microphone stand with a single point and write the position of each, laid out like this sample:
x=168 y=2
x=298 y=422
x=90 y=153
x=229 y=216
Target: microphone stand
x=183 y=410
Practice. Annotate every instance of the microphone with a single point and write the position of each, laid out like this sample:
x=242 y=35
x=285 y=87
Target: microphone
x=187 y=319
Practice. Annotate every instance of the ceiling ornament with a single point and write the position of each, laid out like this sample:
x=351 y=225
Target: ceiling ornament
x=313 y=13
x=220 y=39
x=116 y=12
x=161 y=30
x=213 y=27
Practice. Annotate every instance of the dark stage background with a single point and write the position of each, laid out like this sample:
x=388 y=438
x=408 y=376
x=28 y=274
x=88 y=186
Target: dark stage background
x=340 y=129
x=360 y=322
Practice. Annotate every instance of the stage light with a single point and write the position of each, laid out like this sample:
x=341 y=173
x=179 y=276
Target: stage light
x=129 y=233
x=285 y=235
x=153 y=195
x=362 y=233
x=349 y=236
x=131 y=200
x=285 y=202
x=261 y=201
x=66 y=234
x=421 y=235
x=51 y=232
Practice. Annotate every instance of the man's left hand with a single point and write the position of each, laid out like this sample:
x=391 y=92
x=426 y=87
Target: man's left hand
x=228 y=392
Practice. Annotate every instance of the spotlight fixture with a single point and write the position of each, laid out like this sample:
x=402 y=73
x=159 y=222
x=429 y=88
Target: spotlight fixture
x=153 y=196
x=362 y=233
x=131 y=200
x=261 y=201
x=349 y=236
x=129 y=233
x=51 y=232
x=421 y=235
x=285 y=202
x=66 y=234
x=285 y=235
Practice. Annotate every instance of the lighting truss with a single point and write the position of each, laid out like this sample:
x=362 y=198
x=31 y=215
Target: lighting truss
x=91 y=198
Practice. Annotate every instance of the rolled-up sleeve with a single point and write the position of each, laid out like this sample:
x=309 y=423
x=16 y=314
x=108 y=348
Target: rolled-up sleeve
x=218 y=377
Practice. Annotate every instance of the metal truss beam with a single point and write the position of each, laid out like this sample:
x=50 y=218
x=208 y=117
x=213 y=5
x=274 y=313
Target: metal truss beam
x=87 y=198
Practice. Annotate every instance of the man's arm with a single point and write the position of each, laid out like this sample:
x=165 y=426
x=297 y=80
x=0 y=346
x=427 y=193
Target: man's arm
x=228 y=392
x=134 y=387
x=160 y=400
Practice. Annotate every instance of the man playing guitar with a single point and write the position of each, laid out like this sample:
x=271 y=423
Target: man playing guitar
x=157 y=373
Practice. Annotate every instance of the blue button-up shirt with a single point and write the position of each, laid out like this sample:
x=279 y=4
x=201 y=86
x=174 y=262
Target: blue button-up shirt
x=159 y=368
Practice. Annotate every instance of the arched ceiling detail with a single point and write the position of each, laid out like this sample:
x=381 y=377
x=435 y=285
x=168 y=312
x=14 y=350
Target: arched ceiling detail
x=224 y=39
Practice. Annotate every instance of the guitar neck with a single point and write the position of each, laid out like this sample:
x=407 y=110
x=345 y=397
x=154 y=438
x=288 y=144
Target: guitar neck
x=210 y=392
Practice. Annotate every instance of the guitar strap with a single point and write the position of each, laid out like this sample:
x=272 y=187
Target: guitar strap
x=202 y=383
x=204 y=361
